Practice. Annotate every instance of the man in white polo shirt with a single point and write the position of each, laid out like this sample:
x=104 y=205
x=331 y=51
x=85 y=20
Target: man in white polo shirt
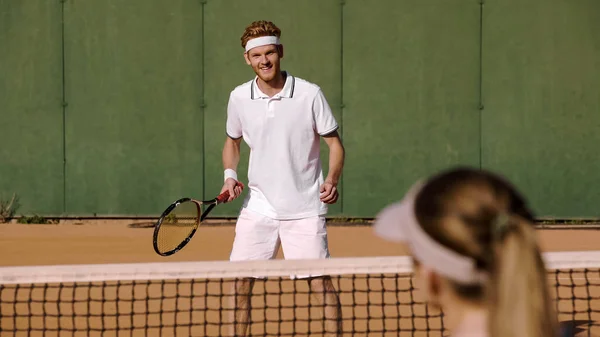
x=281 y=118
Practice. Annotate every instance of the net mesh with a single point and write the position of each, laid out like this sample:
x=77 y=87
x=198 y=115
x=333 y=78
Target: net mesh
x=377 y=297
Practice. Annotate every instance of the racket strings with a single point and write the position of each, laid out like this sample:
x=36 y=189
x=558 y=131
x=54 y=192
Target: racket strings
x=178 y=225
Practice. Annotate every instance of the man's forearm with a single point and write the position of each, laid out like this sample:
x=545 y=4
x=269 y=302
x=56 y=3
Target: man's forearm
x=336 y=162
x=231 y=154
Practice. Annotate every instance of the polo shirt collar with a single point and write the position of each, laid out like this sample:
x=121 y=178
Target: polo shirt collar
x=287 y=91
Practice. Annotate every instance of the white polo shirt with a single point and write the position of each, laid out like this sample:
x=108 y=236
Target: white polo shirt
x=283 y=133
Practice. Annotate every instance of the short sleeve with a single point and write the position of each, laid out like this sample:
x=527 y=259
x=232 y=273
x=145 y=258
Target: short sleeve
x=233 y=125
x=325 y=122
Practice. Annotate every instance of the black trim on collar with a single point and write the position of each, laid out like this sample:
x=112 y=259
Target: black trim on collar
x=293 y=86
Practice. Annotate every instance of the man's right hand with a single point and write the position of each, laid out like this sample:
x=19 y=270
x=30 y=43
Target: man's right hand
x=233 y=187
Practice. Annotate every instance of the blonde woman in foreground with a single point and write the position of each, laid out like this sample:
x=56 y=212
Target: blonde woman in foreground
x=475 y=254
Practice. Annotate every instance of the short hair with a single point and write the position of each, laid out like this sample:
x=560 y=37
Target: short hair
x=258 y=29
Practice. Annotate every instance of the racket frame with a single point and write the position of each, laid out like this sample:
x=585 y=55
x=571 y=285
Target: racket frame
x=222 y=198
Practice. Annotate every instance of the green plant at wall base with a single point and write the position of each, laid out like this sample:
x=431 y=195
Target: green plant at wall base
x=36 y=219
x=8 y=208
x=171 y=218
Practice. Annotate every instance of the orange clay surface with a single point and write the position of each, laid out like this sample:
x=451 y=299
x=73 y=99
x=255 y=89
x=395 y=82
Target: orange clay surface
x=111 y=241
x=114 y=241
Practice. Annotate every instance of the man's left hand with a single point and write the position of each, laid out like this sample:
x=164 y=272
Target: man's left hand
x=329 y=193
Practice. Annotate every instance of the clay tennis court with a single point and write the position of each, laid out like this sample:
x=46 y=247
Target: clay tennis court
x=116 y=241
x=105 y=241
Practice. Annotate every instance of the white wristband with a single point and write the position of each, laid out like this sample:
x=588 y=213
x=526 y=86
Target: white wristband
x=229 y=173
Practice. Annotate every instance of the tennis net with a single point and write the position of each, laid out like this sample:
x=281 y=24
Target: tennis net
x=377 y=297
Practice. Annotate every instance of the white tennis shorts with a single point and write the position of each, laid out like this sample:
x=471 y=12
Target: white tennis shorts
x=258 y=237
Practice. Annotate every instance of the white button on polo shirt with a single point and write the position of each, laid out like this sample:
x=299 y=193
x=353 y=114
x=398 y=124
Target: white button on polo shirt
x=283 y=134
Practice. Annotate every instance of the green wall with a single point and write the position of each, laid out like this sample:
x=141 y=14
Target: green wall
x=410 y=95
x=134 y=120
x=417 y=86
x=31 y=110
x=541 y=90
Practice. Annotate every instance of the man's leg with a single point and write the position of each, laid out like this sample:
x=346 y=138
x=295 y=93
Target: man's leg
x=307 y=239
x=242 y=308
x=323 y=291
x=256 y=238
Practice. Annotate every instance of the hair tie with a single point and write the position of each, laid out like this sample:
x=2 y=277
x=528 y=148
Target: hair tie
x=501 y=225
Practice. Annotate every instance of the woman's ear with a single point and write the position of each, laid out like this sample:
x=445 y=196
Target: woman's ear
x=429 y=284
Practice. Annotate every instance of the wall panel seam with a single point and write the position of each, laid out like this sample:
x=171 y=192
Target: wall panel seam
x=203 y=95
x=480 y=108
x=64 y=110
x=342 y=107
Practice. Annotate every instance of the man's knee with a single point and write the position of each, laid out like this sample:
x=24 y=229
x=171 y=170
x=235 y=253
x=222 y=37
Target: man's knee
x=244 y=285
x=243 y=289
x=322 y=284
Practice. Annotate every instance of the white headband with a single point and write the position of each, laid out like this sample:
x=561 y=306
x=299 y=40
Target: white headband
x=261 y=41
x=398 y=222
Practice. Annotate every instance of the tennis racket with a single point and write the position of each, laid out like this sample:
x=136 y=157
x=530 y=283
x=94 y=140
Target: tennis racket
x=179 y=222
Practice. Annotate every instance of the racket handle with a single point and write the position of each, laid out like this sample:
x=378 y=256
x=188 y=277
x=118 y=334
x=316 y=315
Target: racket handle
x=222 y=198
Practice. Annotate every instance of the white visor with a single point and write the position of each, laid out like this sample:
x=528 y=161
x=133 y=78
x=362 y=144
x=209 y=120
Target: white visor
x=398 y=223
x=261 y=41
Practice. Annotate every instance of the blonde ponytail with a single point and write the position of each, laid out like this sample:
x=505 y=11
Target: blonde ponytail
x=520 y=302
